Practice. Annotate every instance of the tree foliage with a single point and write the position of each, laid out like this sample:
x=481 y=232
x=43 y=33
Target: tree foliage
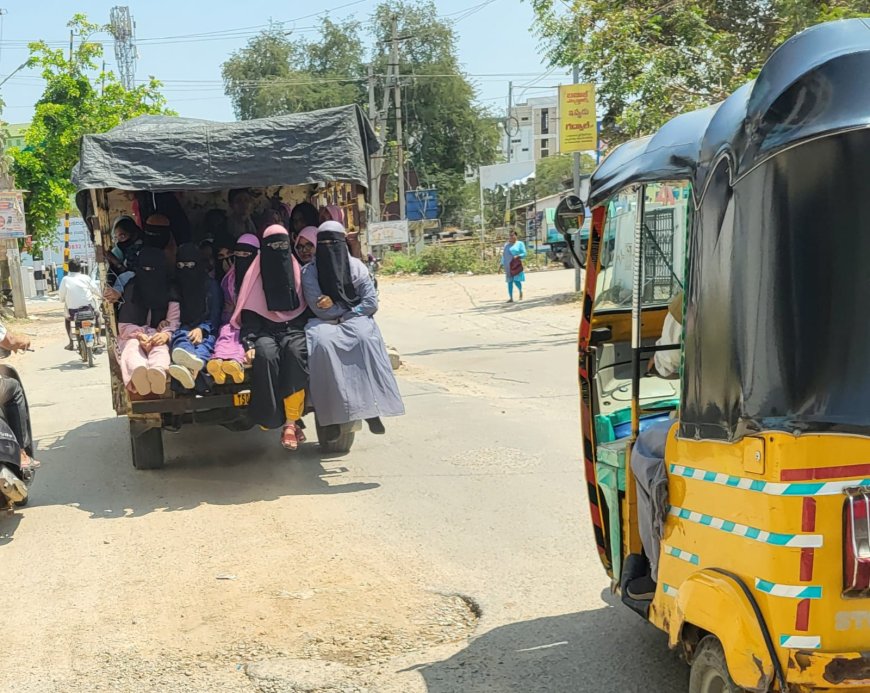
x=78 y=99
x=654 y=59
x=445 y=132
x=276 y=73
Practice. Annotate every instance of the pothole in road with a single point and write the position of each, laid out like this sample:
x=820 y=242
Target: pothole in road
x=342 y=655
x=436 y=619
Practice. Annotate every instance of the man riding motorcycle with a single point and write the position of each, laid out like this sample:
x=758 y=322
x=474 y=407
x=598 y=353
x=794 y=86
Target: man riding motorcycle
x=78 y=291
x=17 y=465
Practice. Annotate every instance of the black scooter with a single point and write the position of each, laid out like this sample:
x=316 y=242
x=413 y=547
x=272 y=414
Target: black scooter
x=15 y=481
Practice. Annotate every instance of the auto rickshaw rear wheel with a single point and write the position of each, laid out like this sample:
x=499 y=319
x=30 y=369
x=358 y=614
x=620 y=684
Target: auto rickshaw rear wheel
x=710 y=670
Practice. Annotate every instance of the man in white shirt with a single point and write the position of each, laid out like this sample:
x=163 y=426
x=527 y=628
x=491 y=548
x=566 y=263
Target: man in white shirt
x=77 y=291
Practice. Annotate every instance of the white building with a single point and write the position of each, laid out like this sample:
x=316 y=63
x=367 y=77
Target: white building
x=533 y=127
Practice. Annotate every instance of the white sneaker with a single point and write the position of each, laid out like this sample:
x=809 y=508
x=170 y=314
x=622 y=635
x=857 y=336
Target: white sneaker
x=188 y=360
x=157 y=378
x=11 y=486
x=182 y=375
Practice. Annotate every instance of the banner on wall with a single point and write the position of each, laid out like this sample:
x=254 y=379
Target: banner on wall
x=12 y=222
x=578 y=126
x=388 y=232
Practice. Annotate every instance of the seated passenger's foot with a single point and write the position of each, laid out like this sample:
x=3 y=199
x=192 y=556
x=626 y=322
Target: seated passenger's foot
x=28 y=464
x=288 y=437
x=187 y=359
x=182 y=375
x=330 y=434
x=157 y=378
x=235 y=370
x=12 y=486
x=300 y=433
x=376 y=426
x=642 y=589
x=140 y=380
x=215 y=369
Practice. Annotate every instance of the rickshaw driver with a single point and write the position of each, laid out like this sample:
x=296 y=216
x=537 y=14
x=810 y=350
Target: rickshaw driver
x=648 y=458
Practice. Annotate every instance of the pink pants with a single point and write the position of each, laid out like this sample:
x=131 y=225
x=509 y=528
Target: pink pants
x=132 y=357
x=228 y=347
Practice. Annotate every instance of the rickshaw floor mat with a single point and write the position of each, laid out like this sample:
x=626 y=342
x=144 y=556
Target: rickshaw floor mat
x=635 y=566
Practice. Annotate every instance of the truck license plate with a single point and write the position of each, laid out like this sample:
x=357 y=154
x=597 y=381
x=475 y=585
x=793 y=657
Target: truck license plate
x=242 y=399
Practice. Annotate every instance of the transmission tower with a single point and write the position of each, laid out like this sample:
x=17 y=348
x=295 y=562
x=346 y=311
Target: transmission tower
x=122 y=27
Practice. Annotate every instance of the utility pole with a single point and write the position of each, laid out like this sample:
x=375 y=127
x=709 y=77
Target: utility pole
x=397 y=102
x=507 y=128
x=578 y=272
x=71 y=70
x=507 y=204
x=376 y=163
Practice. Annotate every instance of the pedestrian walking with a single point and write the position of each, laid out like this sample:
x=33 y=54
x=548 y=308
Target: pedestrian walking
x=512 y=262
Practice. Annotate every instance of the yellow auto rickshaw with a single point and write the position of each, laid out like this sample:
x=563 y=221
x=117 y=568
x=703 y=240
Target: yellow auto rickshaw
x=726 y=309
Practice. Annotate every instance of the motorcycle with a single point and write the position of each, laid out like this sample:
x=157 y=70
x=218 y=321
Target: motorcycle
x=373 y=264
x=84 y=334
x=15 y=480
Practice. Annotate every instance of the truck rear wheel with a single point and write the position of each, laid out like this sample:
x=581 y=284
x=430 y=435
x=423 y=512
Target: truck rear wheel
x=342 y=445
x=146 y=444
x=710 y=670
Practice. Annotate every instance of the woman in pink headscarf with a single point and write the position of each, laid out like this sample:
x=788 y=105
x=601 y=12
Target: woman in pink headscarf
x=270 y=315
x=332 y=213
x=306 y=244
x=229 y=356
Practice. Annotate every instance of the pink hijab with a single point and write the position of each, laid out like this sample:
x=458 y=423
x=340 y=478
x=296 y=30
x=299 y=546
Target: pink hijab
x=336 y=213
x=252 y=297
x=309 y=233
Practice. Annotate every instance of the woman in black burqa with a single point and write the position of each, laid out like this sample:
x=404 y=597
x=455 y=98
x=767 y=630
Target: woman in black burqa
x=271 y=314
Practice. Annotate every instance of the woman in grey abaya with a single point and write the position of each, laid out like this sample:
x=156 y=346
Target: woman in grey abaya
x=350 y=374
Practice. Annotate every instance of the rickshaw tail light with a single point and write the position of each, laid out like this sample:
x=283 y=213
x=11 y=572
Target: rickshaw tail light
x=856 y=542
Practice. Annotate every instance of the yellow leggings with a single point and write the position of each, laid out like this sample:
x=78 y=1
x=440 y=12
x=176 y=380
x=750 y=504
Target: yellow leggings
x=294 y=405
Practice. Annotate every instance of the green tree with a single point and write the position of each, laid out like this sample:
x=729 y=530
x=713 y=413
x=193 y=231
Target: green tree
x=652 y=60
x=276 y=73
x=78 y=100
x=445 y=132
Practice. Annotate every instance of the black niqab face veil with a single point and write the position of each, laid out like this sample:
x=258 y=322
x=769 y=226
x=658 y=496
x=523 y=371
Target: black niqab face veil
x=150 y=294
x=191 y=276
x=333 y=268
x=243 y=262
x=277 y=270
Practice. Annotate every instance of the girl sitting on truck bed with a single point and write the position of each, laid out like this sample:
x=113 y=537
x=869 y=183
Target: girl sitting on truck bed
x=271 y=314
x=200 y=301
x=146 y=321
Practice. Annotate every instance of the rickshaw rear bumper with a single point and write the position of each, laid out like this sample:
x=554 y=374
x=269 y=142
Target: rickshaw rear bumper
x=809 y=670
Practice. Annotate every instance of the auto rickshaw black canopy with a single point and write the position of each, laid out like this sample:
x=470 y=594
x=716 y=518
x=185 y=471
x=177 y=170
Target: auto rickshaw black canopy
x=777 y=334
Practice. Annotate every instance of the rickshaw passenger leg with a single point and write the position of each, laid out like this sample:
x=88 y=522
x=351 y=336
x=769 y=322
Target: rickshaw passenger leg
x=648 y=466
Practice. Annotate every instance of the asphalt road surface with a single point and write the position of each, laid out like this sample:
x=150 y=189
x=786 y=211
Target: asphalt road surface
x=452 y=555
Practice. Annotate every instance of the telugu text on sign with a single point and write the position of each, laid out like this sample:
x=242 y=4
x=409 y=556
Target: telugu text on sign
x=578 y=129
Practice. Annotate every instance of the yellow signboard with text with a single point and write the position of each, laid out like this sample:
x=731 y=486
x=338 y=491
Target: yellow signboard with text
x=578 y=130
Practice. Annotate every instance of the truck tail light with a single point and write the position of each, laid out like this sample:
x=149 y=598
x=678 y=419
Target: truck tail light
x=856 y=542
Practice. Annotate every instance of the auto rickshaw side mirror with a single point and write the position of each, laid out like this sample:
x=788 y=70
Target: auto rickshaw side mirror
x=569 y=218
x=600 y=335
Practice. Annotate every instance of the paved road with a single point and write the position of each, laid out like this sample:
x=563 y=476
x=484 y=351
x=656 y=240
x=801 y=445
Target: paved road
x=224 y=570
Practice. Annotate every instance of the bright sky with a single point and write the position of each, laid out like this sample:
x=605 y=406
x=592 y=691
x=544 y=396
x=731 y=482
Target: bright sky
x=184 y=43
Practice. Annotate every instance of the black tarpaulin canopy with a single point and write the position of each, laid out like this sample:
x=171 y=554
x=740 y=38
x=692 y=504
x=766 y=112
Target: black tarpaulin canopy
x=163 y=153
